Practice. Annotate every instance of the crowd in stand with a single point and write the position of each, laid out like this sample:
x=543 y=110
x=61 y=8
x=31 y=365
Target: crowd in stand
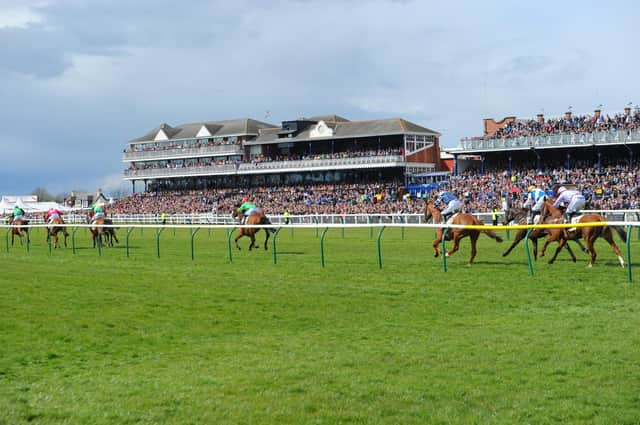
x=207 y=162
x=568 y=125
x=613 y=187
x=200 y=143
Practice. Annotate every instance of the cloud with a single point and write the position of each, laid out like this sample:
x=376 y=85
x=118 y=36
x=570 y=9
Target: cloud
x=81 y=78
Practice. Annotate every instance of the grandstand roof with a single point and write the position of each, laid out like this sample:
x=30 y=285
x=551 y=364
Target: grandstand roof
x=343 y=128
x=225 y=128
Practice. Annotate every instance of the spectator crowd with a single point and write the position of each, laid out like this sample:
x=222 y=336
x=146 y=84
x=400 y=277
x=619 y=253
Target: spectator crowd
x=612 y=187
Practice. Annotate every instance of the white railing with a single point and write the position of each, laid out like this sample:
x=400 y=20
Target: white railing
x=553 y=140
x=226 y=219
x=249 y=168
x=182 y=153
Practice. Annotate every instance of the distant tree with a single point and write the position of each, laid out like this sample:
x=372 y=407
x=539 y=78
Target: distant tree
x=42 y=194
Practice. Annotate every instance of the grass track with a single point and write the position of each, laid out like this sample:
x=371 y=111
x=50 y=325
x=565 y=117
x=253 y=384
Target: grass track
x=100 y=340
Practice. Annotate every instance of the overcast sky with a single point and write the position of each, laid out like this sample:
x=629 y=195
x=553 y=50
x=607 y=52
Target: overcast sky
x=79 y=78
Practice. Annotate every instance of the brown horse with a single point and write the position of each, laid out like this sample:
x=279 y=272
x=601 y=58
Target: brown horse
x=431 y=212
x=254 y=219
x=589 y=234
x=18 y=229
x=519 y=216
x=57 y=225
x=100 y=234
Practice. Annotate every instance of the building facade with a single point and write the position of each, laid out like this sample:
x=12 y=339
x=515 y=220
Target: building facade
x=249 y=153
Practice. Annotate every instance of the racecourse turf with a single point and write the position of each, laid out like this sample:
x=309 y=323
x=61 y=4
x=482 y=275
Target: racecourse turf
x=110 y=339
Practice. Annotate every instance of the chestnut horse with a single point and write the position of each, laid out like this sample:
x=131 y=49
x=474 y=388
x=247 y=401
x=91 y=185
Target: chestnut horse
x=17 y=229
x=255 y=219
x=519 y=216
x=431 y=212
x=104 y=235
x=589 y=234
x=57 y=225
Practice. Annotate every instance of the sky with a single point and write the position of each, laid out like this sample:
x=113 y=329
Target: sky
x=79 y=78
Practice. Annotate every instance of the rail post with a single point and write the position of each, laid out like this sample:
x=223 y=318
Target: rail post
x=379 y=247
x=7 y=238
x=193 y=234
x=444 y=249
x=126 y=241
x=73 y=239
x=229 y=234
x=28 y=240
x=275 y=236
x=526 y=248
x=629 y=254
x=324 y=232
x=158 y=233
x=49 y=243
x=99 y=242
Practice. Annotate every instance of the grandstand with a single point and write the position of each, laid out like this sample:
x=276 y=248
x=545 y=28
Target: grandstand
x=248 y=153
x=570 y=142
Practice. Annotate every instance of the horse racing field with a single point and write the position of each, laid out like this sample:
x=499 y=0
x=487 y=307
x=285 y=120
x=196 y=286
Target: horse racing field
x=110 y=339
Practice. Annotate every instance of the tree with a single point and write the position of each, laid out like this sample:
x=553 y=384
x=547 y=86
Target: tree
x=42 y=194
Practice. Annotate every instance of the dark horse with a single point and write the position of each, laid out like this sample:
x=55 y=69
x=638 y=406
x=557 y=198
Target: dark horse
x=431 y=212
x=17 y=229
x=103 y=234
x=255 y=219
x=57 y=226
x=589 y=234
x=519 y=216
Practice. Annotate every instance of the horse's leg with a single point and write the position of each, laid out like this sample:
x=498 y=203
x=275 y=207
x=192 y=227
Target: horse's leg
x=561 y=243
x=519 y=236
x=253 y=241
x=607 y=235
x=568 y=247
x=553 y=236
x=241 y=234
x=456 y=243
x=589 y=240
x=474 y=239
x=436 y=243
x=266 y=239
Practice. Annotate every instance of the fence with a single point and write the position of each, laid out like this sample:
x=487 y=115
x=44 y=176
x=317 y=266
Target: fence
x=231 y=228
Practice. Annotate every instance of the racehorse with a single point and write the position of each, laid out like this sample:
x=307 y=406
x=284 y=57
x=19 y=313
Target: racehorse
x=255 y=219
x=519 y=216
x=17 y=229
x=589 y=234
x=431 y=212
x=57 y=225
x=103 y=234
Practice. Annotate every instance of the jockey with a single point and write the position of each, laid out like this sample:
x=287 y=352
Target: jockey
x=452 y=203
x=535 y=201
x=52 y=214
x=246 y=208
x=96 y=212
x=18 y=214
x=574 y=199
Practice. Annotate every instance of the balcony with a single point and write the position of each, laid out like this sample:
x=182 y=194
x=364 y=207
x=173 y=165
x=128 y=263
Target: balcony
x=270 y=167
x=552 y=141
x=215 y=150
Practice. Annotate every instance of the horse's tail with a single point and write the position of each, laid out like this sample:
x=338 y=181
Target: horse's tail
x=489 y=233
x=493 y=235
x=265 y=220
x=620 y=231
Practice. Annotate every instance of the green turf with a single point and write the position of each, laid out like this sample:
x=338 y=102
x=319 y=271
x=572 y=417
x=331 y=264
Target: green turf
x=116 y=340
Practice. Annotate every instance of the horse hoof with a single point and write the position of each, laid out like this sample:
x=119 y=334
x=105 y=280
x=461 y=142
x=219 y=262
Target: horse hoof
x=448 y=255
x=435 y=255
x=590 y=266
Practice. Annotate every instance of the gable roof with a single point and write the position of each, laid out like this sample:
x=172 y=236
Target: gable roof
x=349 y=129
x=225 y=128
